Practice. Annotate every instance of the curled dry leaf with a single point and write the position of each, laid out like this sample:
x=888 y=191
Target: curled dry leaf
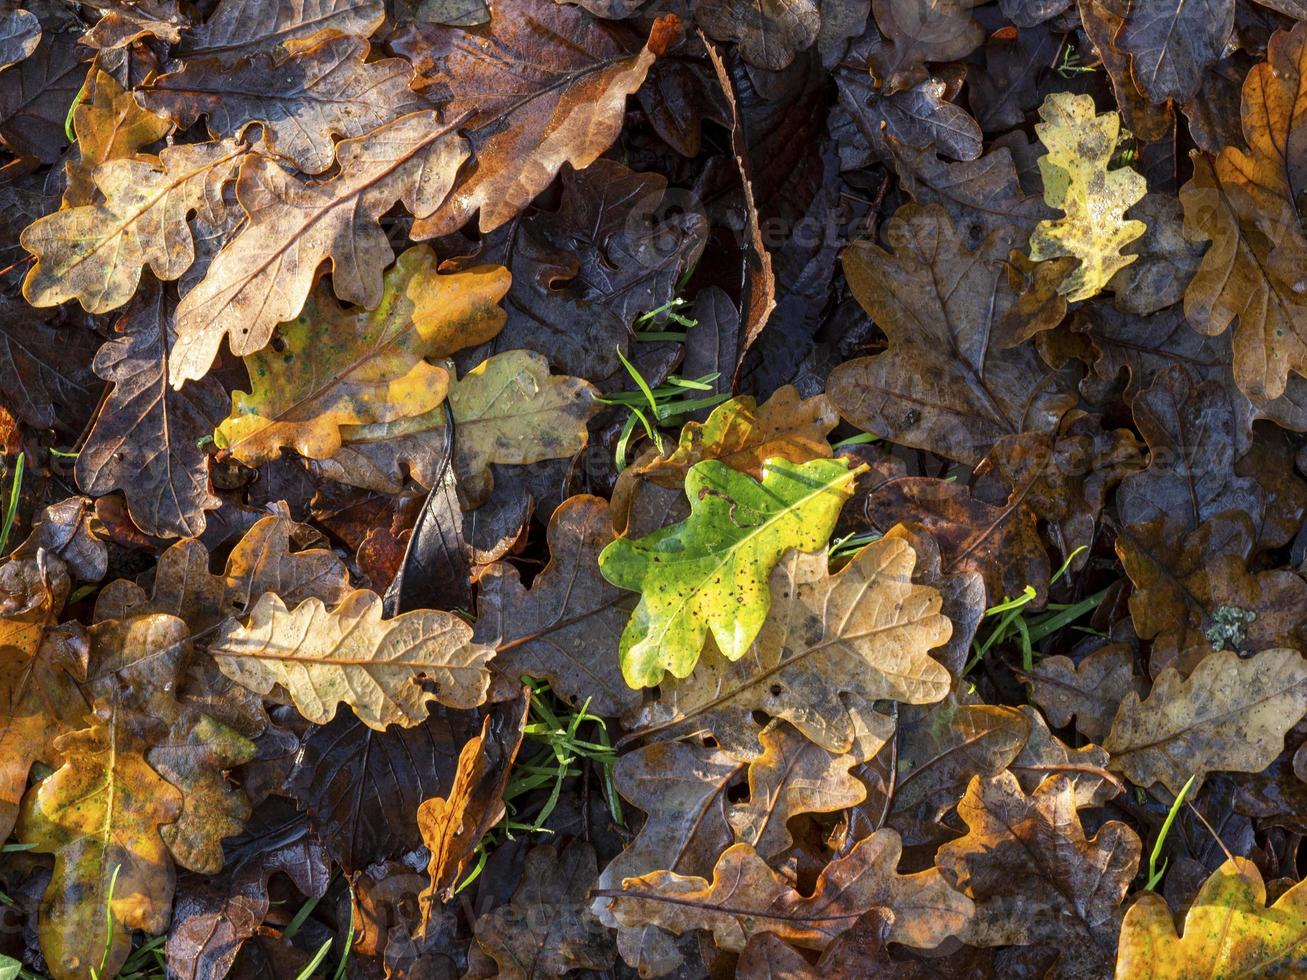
x=453 y=825
x=1229 y=715
x=746 y=897
x=334 y=368
x=349 y=655
x=708 y=574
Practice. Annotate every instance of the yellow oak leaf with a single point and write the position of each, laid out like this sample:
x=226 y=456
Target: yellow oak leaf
x=1093 y=198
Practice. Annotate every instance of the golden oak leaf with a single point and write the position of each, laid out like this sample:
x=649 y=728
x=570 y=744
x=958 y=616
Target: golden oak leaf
x=301 y=101
x=109 y=125
x=350 y=655
x=1247 y=206
x=41 y=667
x=1229 y=931
x=830 y=647
x=1093 y=198
x=545 y=85
x=1230 y=715
x=746 y=897
x=94 y=253
x=264 y=274
x=100 y=814
x=335 y=367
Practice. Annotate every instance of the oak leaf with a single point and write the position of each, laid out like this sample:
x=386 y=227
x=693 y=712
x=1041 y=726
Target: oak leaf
x=1230 y=714
x=793 y=776
x=42 y=666
x=767 y=34
x=100 y=814
x=335 y=367
x=144 y=439
x=943 y=384
x=235 y=31
x=95 y=253
x=1229 y=930
x=264 y=274
x=349 y=655
x=301 y=101
x=746 y=897
x=546 y=85
x=109 y=125
x=1093 y=198
x=708 y=574
x=547 y=928
x=20 y=32
x=830 y=647
x=1090 y=691
x=563 y=629
x=1034 y=876
x=1171 y=42
x=1246 y=206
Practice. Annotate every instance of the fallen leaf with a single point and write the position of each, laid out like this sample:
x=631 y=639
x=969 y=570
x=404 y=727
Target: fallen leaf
x=349 y=655
x=452 y=826
x=830 y=648
x=942 y=385
x=1229 y=930
x=335 y=367
x=109 y=125
x=265 y=272
x=235 y=31
x=737 y=528
x=144 y=439
x=547 y=928
x=301 y=101
x=565 y=627
x=546 y=85
x=1090 y=691
x=1172 y=42
x=1229 y=715
x=745 y=897
x=1093 y=198
x=767 y=34
x=1035 y=877
x=20 y=32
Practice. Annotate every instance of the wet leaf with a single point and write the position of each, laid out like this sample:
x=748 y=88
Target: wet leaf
x=547 y=929
x=1089 y=691
x=145 y=438
x=942 y=385
x=737 y=530
x=566 y=626
x=1092 y=197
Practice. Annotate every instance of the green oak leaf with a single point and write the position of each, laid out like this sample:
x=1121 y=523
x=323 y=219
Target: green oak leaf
x=710 y=571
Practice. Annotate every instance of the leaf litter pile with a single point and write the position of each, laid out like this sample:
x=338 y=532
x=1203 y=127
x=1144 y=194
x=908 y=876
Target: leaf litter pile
x=778 y=489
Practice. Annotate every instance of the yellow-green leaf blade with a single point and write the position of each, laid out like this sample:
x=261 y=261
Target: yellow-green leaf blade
x=709 y=572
